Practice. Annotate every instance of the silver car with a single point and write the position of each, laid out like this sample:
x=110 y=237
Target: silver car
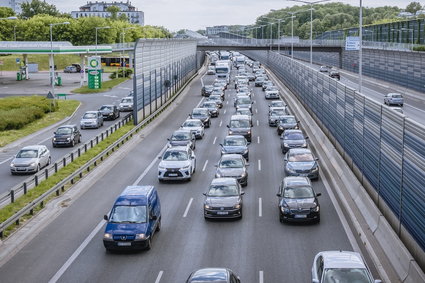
x=394 y=99
x=301 y=162
x=195 y=126
x=177 y=163
x=91 y=119
x=233 y=165
x=30 y=159
x=126 y=104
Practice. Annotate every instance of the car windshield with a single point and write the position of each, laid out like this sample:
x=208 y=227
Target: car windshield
x=180 y=136
x=301 y=157
x=200 y=112
x=106 y=108
x=209 y=105
x=234 y=142
x=396 y=96
x=279 y=112
x=346 y=275
x=64 y=131
x=277 y=104
x=231 y=163
x=127 y=100
x=243 y=112
x=192 y=124
x=288 y=120
x=244 y=100
x=128 y=214
x=175 y=156
x=27 y=153
x=223 y=191
x=209 y=87
x=239 y=124
x=294 y=136
x=298 y=192
x=90 y=116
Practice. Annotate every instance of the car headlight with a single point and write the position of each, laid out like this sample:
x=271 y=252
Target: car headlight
x=315 y=208
x=68 y=139
x=54 y=139
x=315 y=169
x=245 y=152
x=304 y=144
x=237 y=206
x=161 y=168
x=243 y=175
x=185 y=168
x=140 y=236
x=12 y=164
x=290 y=169
x=218 y=175
x=107 y=236
x=285 y=144
x=284 y=209
x=206 y=206
x=249 y=132
x=33 y=164
x=230 y=132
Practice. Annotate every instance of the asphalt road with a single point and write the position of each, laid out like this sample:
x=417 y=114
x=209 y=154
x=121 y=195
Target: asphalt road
x=258 y=248
x=88 y=102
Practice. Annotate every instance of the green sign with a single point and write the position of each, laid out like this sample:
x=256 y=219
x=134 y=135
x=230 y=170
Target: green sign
x=95 y=79
x=94 y=63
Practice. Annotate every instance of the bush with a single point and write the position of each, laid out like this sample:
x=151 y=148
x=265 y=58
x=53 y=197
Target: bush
x=419 y=48
x=119 y=73
x=15 y=102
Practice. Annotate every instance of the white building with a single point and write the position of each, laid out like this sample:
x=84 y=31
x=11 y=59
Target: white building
x=99 y=9
x=15 y=5
x=216 y=29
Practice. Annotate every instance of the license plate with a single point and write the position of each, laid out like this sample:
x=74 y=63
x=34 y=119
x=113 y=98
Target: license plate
x=222 y=212
x=172 y=174
x=124 y=244
x=300 y=216
x=21 y=169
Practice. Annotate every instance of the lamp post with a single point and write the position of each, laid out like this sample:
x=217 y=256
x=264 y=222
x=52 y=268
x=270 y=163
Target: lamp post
x=122 y=48
x=98 y=28
x=360 y=47
x=52 y=60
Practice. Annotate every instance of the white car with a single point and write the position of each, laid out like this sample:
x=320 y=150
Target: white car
x=177 y=163
x=340 y=266
x=196 y=126
x=30 y=159
x=126 y=104
x=272 y=94
x=394 y=99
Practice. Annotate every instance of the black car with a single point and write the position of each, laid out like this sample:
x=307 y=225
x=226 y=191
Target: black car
x=182 y=138
x=234 y=166
x=297 y=200
x=334 y=74
x=208 y=275
x=207 y=90
x=292 y=139
x=212 y=107
x=285 y=123
x=67 y=135
x=223 y=199
x=109 y=112
x=202 y=114
x=235 y=144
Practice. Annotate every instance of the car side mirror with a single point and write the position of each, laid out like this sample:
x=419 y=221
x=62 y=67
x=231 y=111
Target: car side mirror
x=216 y=165
x=242 y=193
x=168 y=139
x=279 y=194
x=317 y=159
x=159 y=157
x=246 y=164
x=306 y=138
x=205 y=194
x=153 y=217
x=248 y=143
x=228 y=126
x=285 y=159
x=298 y=121
x=105 y=217
x=318 y=194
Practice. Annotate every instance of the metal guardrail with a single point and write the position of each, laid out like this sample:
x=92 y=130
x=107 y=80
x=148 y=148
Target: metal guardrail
x=33 y=181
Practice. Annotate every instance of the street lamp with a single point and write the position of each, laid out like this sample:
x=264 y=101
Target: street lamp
x=311 y=3
x=52 y=61
x=122 y=48
x=360 y=47
x=98 y=28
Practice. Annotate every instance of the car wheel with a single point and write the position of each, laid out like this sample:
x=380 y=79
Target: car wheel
x=281 y=220
x=158 y=227
x=73 y=143
x=38 y=168
x=49 y=161
x=79 y=139
x=149 y=243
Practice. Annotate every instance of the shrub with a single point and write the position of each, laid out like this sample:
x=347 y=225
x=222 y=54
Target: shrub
x=119 y=73
x=419 y=48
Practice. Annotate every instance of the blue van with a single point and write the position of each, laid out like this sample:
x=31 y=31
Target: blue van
x=133 y=220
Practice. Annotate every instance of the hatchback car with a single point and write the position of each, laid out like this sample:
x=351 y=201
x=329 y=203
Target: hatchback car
x=292 y=139
x=67 y=135
x=217 y=99
x=240 y=125
x=109 y=112
x=275 y=114
x=243 y=102
x=223 y=199
x=394 y=99
x=277 y=103
x=177 y=163
x=212 y=107
x=218 y=275
x=233 y=165
x=126 y=104
x=207 y=90
x=235 y=144
x=297 y=200
x=91 y=119
x=202 y=114
x=182 y=138
x=195 y=126
x=30 y=159
x=334 y=74
x=301 y=162
x=340 y=266
x=285 y=123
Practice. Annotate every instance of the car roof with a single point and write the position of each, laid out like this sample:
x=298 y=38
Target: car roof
x=200 y=108
x=182 y=131
x=292 y=131
x=93 y=111
x=239 y=116
x=287 y=116
x=296 y=181
x=210 y=274
x=107 y=105
x=342 y=259
x=193 y=120
x=234 y=137
x=299 y=151
x=67 y=126
x=178 y=148
x=134 y=195
x=231 y=156
x=224 y=181
x=36 y=147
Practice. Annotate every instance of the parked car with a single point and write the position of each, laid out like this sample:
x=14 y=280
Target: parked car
x=292 y=139
x=223 y=199
x=334 y=74
x=394 y=99
x=91 y=119
x=207 y=90
x=195 y=126
x=202 y=114
x=340 y=266
x=30 y=159
x=208 y=275
x=126 y=104
x=298 y=201
x=301 y=162
x=177 y=163
x=233 y=165
x=212 y=107
x=285 y=123
x=235 y=144
x=70 y=69
x=134 y=219
x=182 y=138
x=240 y=125
x=110 y=112
x=67 y=135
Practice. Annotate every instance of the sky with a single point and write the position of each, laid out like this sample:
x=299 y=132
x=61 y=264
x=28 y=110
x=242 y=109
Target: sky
x=198 y=14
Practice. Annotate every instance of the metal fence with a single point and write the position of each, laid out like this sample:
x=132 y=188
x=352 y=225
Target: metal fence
x=385 y=147
x=162 y=66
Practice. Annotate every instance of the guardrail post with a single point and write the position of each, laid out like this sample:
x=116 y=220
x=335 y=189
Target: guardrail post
x=85 y=147
x=101 y=135
x=107 y=133
x=25 y=188
x=91 y=143
x=57 y=192
x=97 y=139
x=36 y=180
x=72 y=181
x=72 y=157
x=115 y=127
x=42 y=204
x=17 y=222
x=56 y=167
x=12 y=196
x=32 y=211
x=79 y=152
x=64 y=162
x=46 y=173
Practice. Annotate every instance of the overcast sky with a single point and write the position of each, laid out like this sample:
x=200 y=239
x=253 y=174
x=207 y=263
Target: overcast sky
x=198 y=14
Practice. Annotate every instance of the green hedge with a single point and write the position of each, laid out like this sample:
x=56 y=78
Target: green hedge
x=119 y=73
x=419 y=48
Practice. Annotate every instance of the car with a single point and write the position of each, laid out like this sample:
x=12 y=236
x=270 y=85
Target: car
x=195 y=126
x=292 y=139
x=266 y=84
x=212 y=107
x=182 y=138
x=301 y=162
x=297 y=200
x=243 y=102
x=240 y=125
x=208 y=275
x=66 y=135
x=233 y=165
x=271 y=93
x=91 y=119
x=177 y=163
x=235 y=144
x=334 y=74
x=202 y=114
x=126 y=104
x=110 y=112
x=259 y=81
x=275 y=114
x=277 y=103
x=217 y=99
x=30 y=159
x=287 y=122
x=394 y=99
x=70 y=69
x=223 y=199
x=211 y=70
x=245 y=111
x=133 y=220
x=340 y=266
x=207 y=90
x=324 y=69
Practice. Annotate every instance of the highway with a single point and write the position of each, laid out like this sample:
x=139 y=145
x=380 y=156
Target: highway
x=258 y=248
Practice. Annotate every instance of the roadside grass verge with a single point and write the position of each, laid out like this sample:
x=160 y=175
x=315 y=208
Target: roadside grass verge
x=61 y=61
x=65 y=109
x=9 y=210
x=107 y=85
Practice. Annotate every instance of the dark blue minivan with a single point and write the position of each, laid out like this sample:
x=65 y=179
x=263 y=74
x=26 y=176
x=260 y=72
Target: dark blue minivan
x=133 y=220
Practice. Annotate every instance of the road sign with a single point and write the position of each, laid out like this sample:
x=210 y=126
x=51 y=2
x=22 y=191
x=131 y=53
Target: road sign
x=18 y=60
x=94 y=63
x=50 y=95
x=352 y=43
x=95 y=79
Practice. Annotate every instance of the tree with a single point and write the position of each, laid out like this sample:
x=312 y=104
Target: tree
x=123 y=18
x=37 y=7
x=114 y=12
x=6 y=12
x=413 y=7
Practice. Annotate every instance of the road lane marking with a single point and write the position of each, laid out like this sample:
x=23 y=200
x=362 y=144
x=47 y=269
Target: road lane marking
x=227 y=102
x=202 y=99
x=256 y=110
x=6 y=160
x=158 y=278
x=187 y=208
x=260 y=207
x=258 y=123
x=205 y=165
x=215 y=139
x=259 y=164
x=261 y=274
x=258 y=139
x=224 y=112
x=221 y=122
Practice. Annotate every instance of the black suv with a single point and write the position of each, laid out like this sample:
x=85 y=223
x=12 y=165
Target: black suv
x=67 y=135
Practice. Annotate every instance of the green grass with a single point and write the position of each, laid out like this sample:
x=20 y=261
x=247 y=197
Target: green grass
x=61 y=61
x=66 y=108
x=9 y=210
x=106 y=85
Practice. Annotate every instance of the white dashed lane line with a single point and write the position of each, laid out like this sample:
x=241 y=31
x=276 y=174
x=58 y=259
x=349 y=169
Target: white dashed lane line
x=187 y=208
x=205 y=165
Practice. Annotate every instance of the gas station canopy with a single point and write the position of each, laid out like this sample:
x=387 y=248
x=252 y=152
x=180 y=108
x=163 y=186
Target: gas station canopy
x=47 y=47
